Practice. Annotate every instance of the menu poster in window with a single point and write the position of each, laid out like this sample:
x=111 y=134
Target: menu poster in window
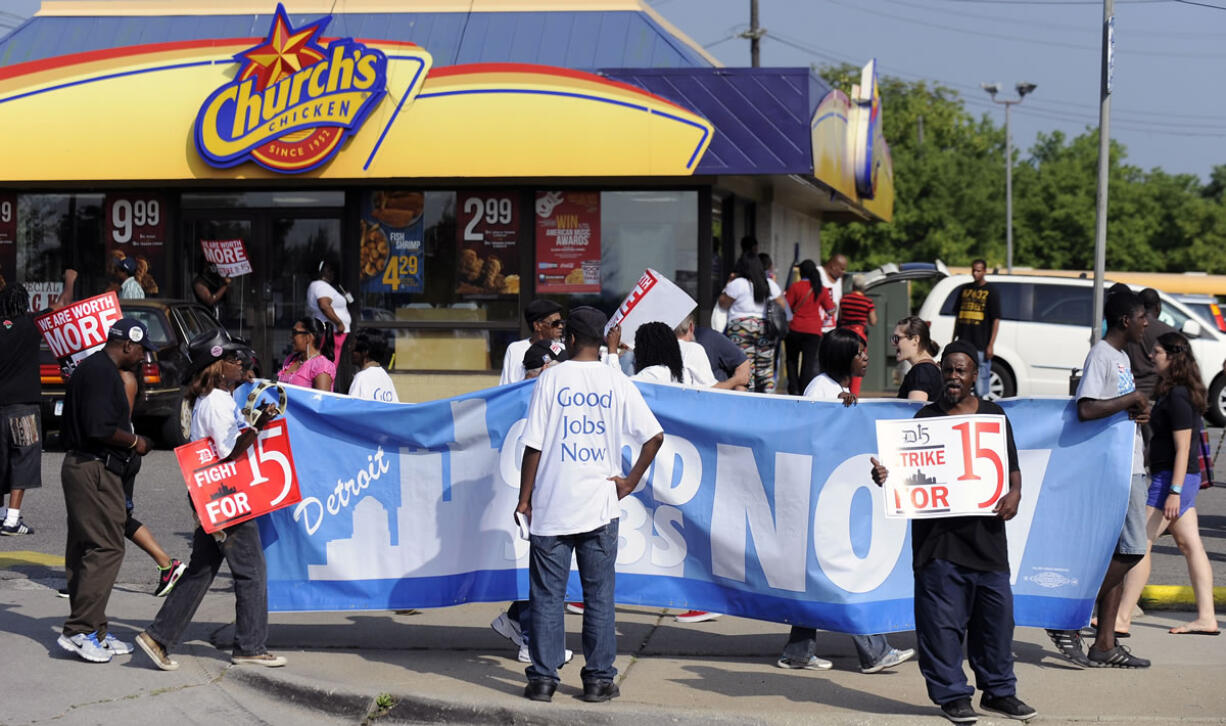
x=43 y=294
x=391 y=257
x=136 y=228
x=488 y=244
x=8 y=238
x=567 y=242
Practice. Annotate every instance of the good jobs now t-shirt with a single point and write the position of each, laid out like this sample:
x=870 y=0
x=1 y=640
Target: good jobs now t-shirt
x=373 y=384
x=580 y=414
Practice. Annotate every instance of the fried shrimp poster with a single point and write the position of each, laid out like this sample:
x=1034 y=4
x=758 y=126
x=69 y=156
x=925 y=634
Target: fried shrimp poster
x=488 y=244
x=567 y=242
x=391 y=258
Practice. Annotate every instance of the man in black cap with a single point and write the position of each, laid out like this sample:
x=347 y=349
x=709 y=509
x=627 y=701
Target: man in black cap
x=95 y=433
x=129 y=286
x=541 y=355
x=545 y=319
x=961 y=564
x=571 y=480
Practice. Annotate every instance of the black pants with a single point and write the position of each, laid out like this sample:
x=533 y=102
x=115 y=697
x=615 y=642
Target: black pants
x=801 y=351
x=93 y=497
x=955 y=604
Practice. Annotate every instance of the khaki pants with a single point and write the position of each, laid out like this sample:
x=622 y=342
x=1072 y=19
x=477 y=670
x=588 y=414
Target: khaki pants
x=94 y=499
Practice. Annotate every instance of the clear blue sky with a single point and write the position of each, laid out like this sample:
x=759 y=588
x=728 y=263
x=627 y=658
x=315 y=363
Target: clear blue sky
x=1161 y=113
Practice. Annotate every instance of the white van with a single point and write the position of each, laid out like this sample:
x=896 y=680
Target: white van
x=1044 y=334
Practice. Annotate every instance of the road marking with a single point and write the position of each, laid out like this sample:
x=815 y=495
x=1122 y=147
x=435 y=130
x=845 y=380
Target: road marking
x=27 y=557
x=1159 y=596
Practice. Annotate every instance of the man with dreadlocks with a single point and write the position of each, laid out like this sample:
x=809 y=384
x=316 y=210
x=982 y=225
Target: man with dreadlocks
x=21 y=445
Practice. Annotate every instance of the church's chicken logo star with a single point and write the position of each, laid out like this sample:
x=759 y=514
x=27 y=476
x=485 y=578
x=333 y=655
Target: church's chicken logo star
x=286 y=51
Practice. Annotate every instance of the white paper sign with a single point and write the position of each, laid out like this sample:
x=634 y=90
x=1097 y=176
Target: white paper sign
x=948 y=466
x=230 y=256
x=42 y=294
x=655 y=298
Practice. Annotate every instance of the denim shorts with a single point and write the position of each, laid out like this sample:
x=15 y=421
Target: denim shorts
x=1133 y=538
x=1160 y=489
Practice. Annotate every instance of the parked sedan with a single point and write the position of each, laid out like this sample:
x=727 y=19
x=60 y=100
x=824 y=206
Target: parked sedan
x=161 y=409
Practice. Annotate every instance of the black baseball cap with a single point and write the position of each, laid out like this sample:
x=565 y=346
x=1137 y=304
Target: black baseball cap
x=132 y=330
x=128 y=265
x=586 y=323
x=542 y=353
x=538 y=309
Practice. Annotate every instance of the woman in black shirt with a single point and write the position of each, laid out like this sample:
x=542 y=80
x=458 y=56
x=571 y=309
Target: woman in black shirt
x=923 y=382
x=1175 y=480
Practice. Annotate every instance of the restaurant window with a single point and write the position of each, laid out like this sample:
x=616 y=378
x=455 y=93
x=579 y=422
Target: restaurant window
x=52 y=233
x=439 y=270
x=627 y=232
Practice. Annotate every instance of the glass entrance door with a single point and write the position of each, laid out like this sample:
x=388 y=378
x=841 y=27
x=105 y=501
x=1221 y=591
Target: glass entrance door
x=285 y=248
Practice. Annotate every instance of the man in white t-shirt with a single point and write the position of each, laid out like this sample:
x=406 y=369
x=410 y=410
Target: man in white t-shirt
x=544 y=317
x=371 y=381
x=832 y=277
x=570 y=484
x=694 y=358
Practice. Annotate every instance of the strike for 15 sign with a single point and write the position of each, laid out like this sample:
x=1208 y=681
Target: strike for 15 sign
x=947 y=466
x=259 y=481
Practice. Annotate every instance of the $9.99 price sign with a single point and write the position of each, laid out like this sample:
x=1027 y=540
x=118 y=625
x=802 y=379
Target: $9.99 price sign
x=948 y=466
x=261 y=480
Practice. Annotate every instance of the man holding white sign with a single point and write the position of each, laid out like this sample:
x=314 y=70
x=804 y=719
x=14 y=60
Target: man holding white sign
x=961 y=563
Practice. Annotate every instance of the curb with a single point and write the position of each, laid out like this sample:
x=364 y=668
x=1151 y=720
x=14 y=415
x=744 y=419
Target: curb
x=1176 y=597
x=304 y=692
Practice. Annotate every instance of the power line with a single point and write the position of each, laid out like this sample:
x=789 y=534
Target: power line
x=1058 y=27
x=1199 y=4
x=1055 y=2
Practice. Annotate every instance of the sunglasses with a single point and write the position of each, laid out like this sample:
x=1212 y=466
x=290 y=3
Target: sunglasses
x=557 y=323
x=299 y=332
x=895 y=338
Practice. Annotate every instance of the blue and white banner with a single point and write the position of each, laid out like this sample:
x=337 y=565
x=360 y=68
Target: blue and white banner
x=759 y=506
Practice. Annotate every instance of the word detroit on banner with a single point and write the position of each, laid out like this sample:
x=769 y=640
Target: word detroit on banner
x=759 y=506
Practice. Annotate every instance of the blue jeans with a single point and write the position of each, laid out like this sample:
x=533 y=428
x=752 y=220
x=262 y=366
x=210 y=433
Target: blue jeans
x=983 y=384
x=802 y=643
x=245 y=555
x=548 y=570
x=955 y=604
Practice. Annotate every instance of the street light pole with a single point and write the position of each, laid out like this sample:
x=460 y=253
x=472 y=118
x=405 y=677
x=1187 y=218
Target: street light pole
x=1104 y=165
x=1022 y=89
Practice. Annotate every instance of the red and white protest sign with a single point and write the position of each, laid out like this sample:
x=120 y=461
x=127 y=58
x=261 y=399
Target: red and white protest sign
x=261 y=480
x=230 y=256
x=948 y=466
x=655 y=298
x=79 y=329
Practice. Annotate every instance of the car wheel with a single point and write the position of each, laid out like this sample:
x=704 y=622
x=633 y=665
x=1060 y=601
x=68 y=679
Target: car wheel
x=177 y=430
x=1001 y=384
x=1217 y=402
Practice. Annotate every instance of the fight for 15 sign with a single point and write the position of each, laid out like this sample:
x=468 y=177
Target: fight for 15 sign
x=948 y=466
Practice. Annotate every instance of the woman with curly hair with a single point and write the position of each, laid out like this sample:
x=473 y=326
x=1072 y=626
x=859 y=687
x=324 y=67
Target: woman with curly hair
x=1174 y=482
x=657 y=355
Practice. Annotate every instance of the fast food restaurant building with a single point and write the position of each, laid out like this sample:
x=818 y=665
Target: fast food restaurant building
x=456 y=158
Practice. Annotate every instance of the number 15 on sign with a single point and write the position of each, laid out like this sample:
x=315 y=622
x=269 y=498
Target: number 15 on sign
x=950 y=466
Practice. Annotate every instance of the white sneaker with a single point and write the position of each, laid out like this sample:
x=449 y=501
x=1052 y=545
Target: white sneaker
x=86 y=647
x=509 y=629
x=574 y=608
x=526 y=657
x=117 y=646
x=813 y=664
x=890 y=659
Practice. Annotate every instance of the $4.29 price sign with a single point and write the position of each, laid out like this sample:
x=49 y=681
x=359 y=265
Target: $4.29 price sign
x=404 y=270
x=261 y=480
x=948 y=466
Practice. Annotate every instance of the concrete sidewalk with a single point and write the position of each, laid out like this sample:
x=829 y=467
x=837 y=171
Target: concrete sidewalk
x=448 y=666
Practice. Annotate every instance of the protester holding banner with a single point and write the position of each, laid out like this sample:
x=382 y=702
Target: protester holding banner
x=95 y=433
x=210 y=287
x=310 y=364
x=809 y=300
x=1107 y=388
x=21 y=444
x=544 y=317
x=747 y=299
x=657 y=355
x=697 y=359
x=962 y=591
x=1175 y=481
x=843 y=355
x=328 y=303
x=571 y=481
x=369 y=355
x=912 y=342
x=216 y=369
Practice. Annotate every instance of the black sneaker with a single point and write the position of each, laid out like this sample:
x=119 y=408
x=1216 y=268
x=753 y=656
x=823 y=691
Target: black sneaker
x=17 y=529
x=1068 y=642
x=1117 y=657
x=598 y=691
x=1010 y=706
x=959 y=711
x=167 y=578
x=540 y=689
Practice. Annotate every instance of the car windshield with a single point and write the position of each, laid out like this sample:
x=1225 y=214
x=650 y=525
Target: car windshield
x=154 y=321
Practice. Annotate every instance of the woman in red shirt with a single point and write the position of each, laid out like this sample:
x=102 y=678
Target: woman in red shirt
x=808 y=298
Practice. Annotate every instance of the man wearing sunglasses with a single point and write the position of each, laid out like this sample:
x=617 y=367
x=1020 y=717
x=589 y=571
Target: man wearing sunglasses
x=544 y=317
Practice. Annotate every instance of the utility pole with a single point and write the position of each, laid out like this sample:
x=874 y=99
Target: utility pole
x=1104 y=164
x=754 y=34
x=1022 y=89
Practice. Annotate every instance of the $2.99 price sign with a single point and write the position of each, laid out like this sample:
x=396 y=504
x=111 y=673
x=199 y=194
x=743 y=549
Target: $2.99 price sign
x=261 y=480
x=948 y=466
